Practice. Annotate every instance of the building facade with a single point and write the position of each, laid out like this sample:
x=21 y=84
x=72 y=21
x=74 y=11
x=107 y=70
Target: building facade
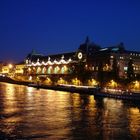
x=91 y=54
x=60 y=66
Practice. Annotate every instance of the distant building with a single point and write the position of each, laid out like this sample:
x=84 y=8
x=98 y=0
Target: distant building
x=19 y=69
x=122 y=56
x=7 y=69
x=12 y=69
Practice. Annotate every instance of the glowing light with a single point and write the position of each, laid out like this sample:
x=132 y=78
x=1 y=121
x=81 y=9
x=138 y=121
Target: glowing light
x=48 y=81
x=57 y=62
x=30 y=78
x=49 y=70
x=137 y=84
x=61 y=81
x=49 y=62
x=10 y=66
x=112 y=84
x=29 y=69
x=38 y=70
x=64 y=69
x=92 y=82
x=75 y=81
x=43 y=70
x=80 y=55
x=56 y=70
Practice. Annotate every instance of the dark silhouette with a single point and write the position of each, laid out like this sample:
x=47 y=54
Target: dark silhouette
x=130 y=70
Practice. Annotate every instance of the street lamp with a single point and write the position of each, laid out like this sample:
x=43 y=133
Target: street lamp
x=113 y=84
x=137 y=85
x=10 y=66
x=11 y=72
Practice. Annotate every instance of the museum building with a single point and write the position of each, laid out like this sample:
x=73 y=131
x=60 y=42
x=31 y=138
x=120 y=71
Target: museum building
x=91 y=54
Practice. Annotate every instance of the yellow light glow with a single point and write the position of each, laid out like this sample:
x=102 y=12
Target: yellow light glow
x=10 y=66
x=136 y=85
x=29 y=69
x=112 y=84
x=92 y=82
x=76 y=81
x=30 y=78
x=61 y=81
x=48 y=81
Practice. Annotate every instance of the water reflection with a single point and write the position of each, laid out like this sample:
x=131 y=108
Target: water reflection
x=134 y=123
x=27 y=113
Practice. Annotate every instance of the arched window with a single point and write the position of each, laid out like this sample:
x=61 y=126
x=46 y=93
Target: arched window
x=56 y=70
x=38 y=70
x=49 y=71
x=43 y=70
x=63 y=70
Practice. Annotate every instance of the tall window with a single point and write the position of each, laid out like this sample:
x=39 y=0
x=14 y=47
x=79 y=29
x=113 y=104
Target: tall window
x=49 y=70
x=56 y=70
x=43 y=70
x=64 y=70
x=38 y=70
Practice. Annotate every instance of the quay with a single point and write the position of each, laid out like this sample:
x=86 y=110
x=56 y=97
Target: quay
x=69 y=88
x=123 y=95
x=97 y=92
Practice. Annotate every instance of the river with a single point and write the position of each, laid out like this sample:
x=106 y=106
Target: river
x=28 y=113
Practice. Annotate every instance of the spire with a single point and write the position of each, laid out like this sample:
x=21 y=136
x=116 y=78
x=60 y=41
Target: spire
x=87 y=40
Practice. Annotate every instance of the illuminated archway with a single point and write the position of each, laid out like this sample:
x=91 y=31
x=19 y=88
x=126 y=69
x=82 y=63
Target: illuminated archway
x=56 y=70
x=49 y=71
x=43 y=70
x=64 y=70
x=29 y=70
x=34 y=70
x=38 y=70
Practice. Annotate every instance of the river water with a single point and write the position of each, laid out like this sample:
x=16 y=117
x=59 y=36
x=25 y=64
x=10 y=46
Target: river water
x=28 y=113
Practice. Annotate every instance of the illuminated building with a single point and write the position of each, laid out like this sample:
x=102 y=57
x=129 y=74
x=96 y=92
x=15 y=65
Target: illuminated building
x=19 y=68
x=5 y=69
x=13 y=69
x=60 y=66
x=88 y=53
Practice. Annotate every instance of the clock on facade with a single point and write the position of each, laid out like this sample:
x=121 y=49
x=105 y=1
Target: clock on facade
x=80 y=55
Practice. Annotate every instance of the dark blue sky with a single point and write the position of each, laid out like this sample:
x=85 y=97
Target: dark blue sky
x=55 y=26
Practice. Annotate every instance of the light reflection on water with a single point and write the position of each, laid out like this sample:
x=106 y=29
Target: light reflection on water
x=27 y=113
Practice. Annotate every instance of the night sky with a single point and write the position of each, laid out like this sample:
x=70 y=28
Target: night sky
x=56 y=26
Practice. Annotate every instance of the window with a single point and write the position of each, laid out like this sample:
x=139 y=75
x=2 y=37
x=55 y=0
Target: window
x=125 y=68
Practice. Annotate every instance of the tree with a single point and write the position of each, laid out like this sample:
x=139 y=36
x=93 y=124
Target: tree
x=115 y=70
x=79 y=71
x=138 y=77
x=130 y=70
x=100 y=74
